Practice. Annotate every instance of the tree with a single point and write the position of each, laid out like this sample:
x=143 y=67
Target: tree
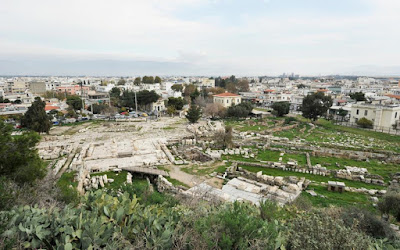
x=171 y=110
x=243 y=86
x=137 y=81
x=128 y=99
x=194 y=95
x=215 y=110
x=280 y=108
x=36 y=118
x=342 y=113
x=194 y=113
x=148 y=79
x=19 y=160
x=223 y=139
x=301 y=86
x=98 y=108
x=177 y=103
x=189 y=90
x=121 y=81
x=146 y=97
x=177 y=87
x=157 y=79
x=240 y=111
x=315 y=105
x=365 y=123
x=75 y=102
x=52 y=94
x=115 y=92
x=358 y=96
x=4 y=100
x=231 y=87
x=215 y=91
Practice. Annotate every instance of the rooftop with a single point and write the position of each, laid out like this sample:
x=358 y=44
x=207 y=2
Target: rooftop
x=394 y=96
x=226 y=94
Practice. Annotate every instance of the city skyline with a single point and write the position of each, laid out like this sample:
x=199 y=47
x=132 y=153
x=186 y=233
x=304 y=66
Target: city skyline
x=195 y=37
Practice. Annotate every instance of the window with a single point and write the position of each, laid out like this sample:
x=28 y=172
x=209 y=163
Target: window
x=365 y=112
x=395 y=115
x=356 y=120
x=358 y=111
x=227 y=101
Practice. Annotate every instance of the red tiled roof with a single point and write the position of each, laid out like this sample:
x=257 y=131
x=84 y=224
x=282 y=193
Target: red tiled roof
x=269 y=90
x=226 y=94
x=341 y=101
x=49 y=107
x=393 y=96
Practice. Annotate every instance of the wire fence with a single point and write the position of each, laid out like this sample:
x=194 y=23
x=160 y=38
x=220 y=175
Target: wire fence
x=389 y=130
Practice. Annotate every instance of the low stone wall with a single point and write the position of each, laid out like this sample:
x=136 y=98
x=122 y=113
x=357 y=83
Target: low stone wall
x=318 y=170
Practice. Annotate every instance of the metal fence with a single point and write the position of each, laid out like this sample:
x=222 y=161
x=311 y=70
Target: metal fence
x=388 y=130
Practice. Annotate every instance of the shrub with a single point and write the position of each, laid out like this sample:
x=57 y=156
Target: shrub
x=240 y=111
x=101 y=221
x=280 y=108
x=6 y=198
x=290 y=119
x=237 y=226
x=390 y=204
x=365 y=123
x=367 y=223
x=319 y=231
x=303 y=203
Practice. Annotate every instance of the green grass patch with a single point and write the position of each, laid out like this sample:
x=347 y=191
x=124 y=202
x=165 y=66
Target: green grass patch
x=67 y=187
x=366 y=133
x=345 y=199
x=169 y=128
x=163 y=168
x=373 y=166
x=119 y=179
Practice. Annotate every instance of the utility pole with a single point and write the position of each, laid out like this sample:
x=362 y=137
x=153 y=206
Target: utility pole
x=83 y=105
x=136 y=103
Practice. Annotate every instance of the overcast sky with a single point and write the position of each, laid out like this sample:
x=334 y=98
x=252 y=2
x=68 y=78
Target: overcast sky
x=199 y=37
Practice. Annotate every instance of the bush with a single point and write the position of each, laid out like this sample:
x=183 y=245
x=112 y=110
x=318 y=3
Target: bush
x=6 y=198
x=303 y=203
x=365 y=123
x=237 y=226
x=101 y=221
x=367 y=223
x=280 y=108
x=290 y=119
x=241 y=110
x=320 y=231
x=390 y=204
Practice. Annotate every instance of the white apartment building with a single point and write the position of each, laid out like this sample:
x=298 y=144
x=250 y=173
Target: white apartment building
x=381 y=115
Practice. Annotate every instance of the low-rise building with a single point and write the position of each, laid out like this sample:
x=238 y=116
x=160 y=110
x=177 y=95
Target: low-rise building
x=37 y=87
x=227 y=99
x=382 y=116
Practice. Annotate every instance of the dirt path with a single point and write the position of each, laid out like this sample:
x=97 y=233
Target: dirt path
x=310 y=131
x=188 y=179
